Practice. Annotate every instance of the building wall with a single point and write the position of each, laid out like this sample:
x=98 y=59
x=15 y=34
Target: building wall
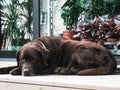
x=58 y=26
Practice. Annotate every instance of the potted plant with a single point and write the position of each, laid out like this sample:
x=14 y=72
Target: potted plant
x=14 y=15
x=11 y=19
x=70 y=13
x=99 y=30
x=105 y=31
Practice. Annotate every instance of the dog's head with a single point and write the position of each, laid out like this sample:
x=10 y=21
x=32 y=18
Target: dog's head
x=32 y=58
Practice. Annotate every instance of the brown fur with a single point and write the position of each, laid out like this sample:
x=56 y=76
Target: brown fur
x=54 y=55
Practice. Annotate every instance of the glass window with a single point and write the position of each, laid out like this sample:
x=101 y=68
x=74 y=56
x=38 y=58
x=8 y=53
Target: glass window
x=16 y=23
x=50 y=18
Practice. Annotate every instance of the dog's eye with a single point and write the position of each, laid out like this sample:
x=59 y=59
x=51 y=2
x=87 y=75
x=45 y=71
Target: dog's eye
x=33 y=61
x=23 y=60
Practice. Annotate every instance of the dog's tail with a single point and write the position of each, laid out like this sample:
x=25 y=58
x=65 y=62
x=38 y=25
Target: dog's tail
x=109 y=68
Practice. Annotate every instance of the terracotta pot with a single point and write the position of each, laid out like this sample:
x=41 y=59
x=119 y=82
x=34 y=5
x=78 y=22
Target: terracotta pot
x=101 y=42
x=68 y=34
x=3 y=44
x=112 y=40
x=118 y=28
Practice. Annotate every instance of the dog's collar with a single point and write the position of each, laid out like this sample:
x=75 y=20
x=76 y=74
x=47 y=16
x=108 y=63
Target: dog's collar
x=43 y=45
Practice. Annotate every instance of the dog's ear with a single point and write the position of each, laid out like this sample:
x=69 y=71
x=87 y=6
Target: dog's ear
x=45 y=55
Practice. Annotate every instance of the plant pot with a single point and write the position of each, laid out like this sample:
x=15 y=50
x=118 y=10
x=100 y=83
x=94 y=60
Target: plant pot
x=112 y=39
x=3 y=44
x=118 y=28
x=69 y=34
x=101 y=42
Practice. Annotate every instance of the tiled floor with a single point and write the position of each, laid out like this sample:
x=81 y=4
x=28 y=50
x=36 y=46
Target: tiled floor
x=4 y=62
x=57 y=82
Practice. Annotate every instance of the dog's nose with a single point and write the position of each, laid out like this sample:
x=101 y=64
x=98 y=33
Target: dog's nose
x=26 y=72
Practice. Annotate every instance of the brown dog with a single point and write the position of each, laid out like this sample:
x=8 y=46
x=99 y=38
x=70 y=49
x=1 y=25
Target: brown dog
x=54 y=55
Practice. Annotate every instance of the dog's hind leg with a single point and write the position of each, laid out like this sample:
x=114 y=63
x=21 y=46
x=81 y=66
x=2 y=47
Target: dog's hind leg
x=108 y=68
x=103 y=70
x=91 y=71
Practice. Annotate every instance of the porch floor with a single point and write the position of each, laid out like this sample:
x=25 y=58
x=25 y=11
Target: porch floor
x=57 y=82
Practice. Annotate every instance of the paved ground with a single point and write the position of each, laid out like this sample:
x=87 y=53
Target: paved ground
x=57 y=82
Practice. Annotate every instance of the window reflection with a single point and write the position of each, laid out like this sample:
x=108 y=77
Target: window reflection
x=16 y=23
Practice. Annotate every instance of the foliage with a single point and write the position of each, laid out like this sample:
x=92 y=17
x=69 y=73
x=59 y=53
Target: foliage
x=11 y=17
x=101 y=31
x=102 y=7
x=115 y=7
x=71 y=11
x=16 y=21
x=95 y=8
x=27 y=13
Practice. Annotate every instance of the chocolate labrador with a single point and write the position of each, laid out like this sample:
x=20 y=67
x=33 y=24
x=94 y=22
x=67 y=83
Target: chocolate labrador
x=54 y=55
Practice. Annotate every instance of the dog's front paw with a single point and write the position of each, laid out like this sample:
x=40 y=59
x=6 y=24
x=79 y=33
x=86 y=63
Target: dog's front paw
x=64 y=71
x=57 y=70
x=15 y=71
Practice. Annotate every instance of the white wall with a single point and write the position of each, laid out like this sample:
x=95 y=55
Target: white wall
x=57 y=20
